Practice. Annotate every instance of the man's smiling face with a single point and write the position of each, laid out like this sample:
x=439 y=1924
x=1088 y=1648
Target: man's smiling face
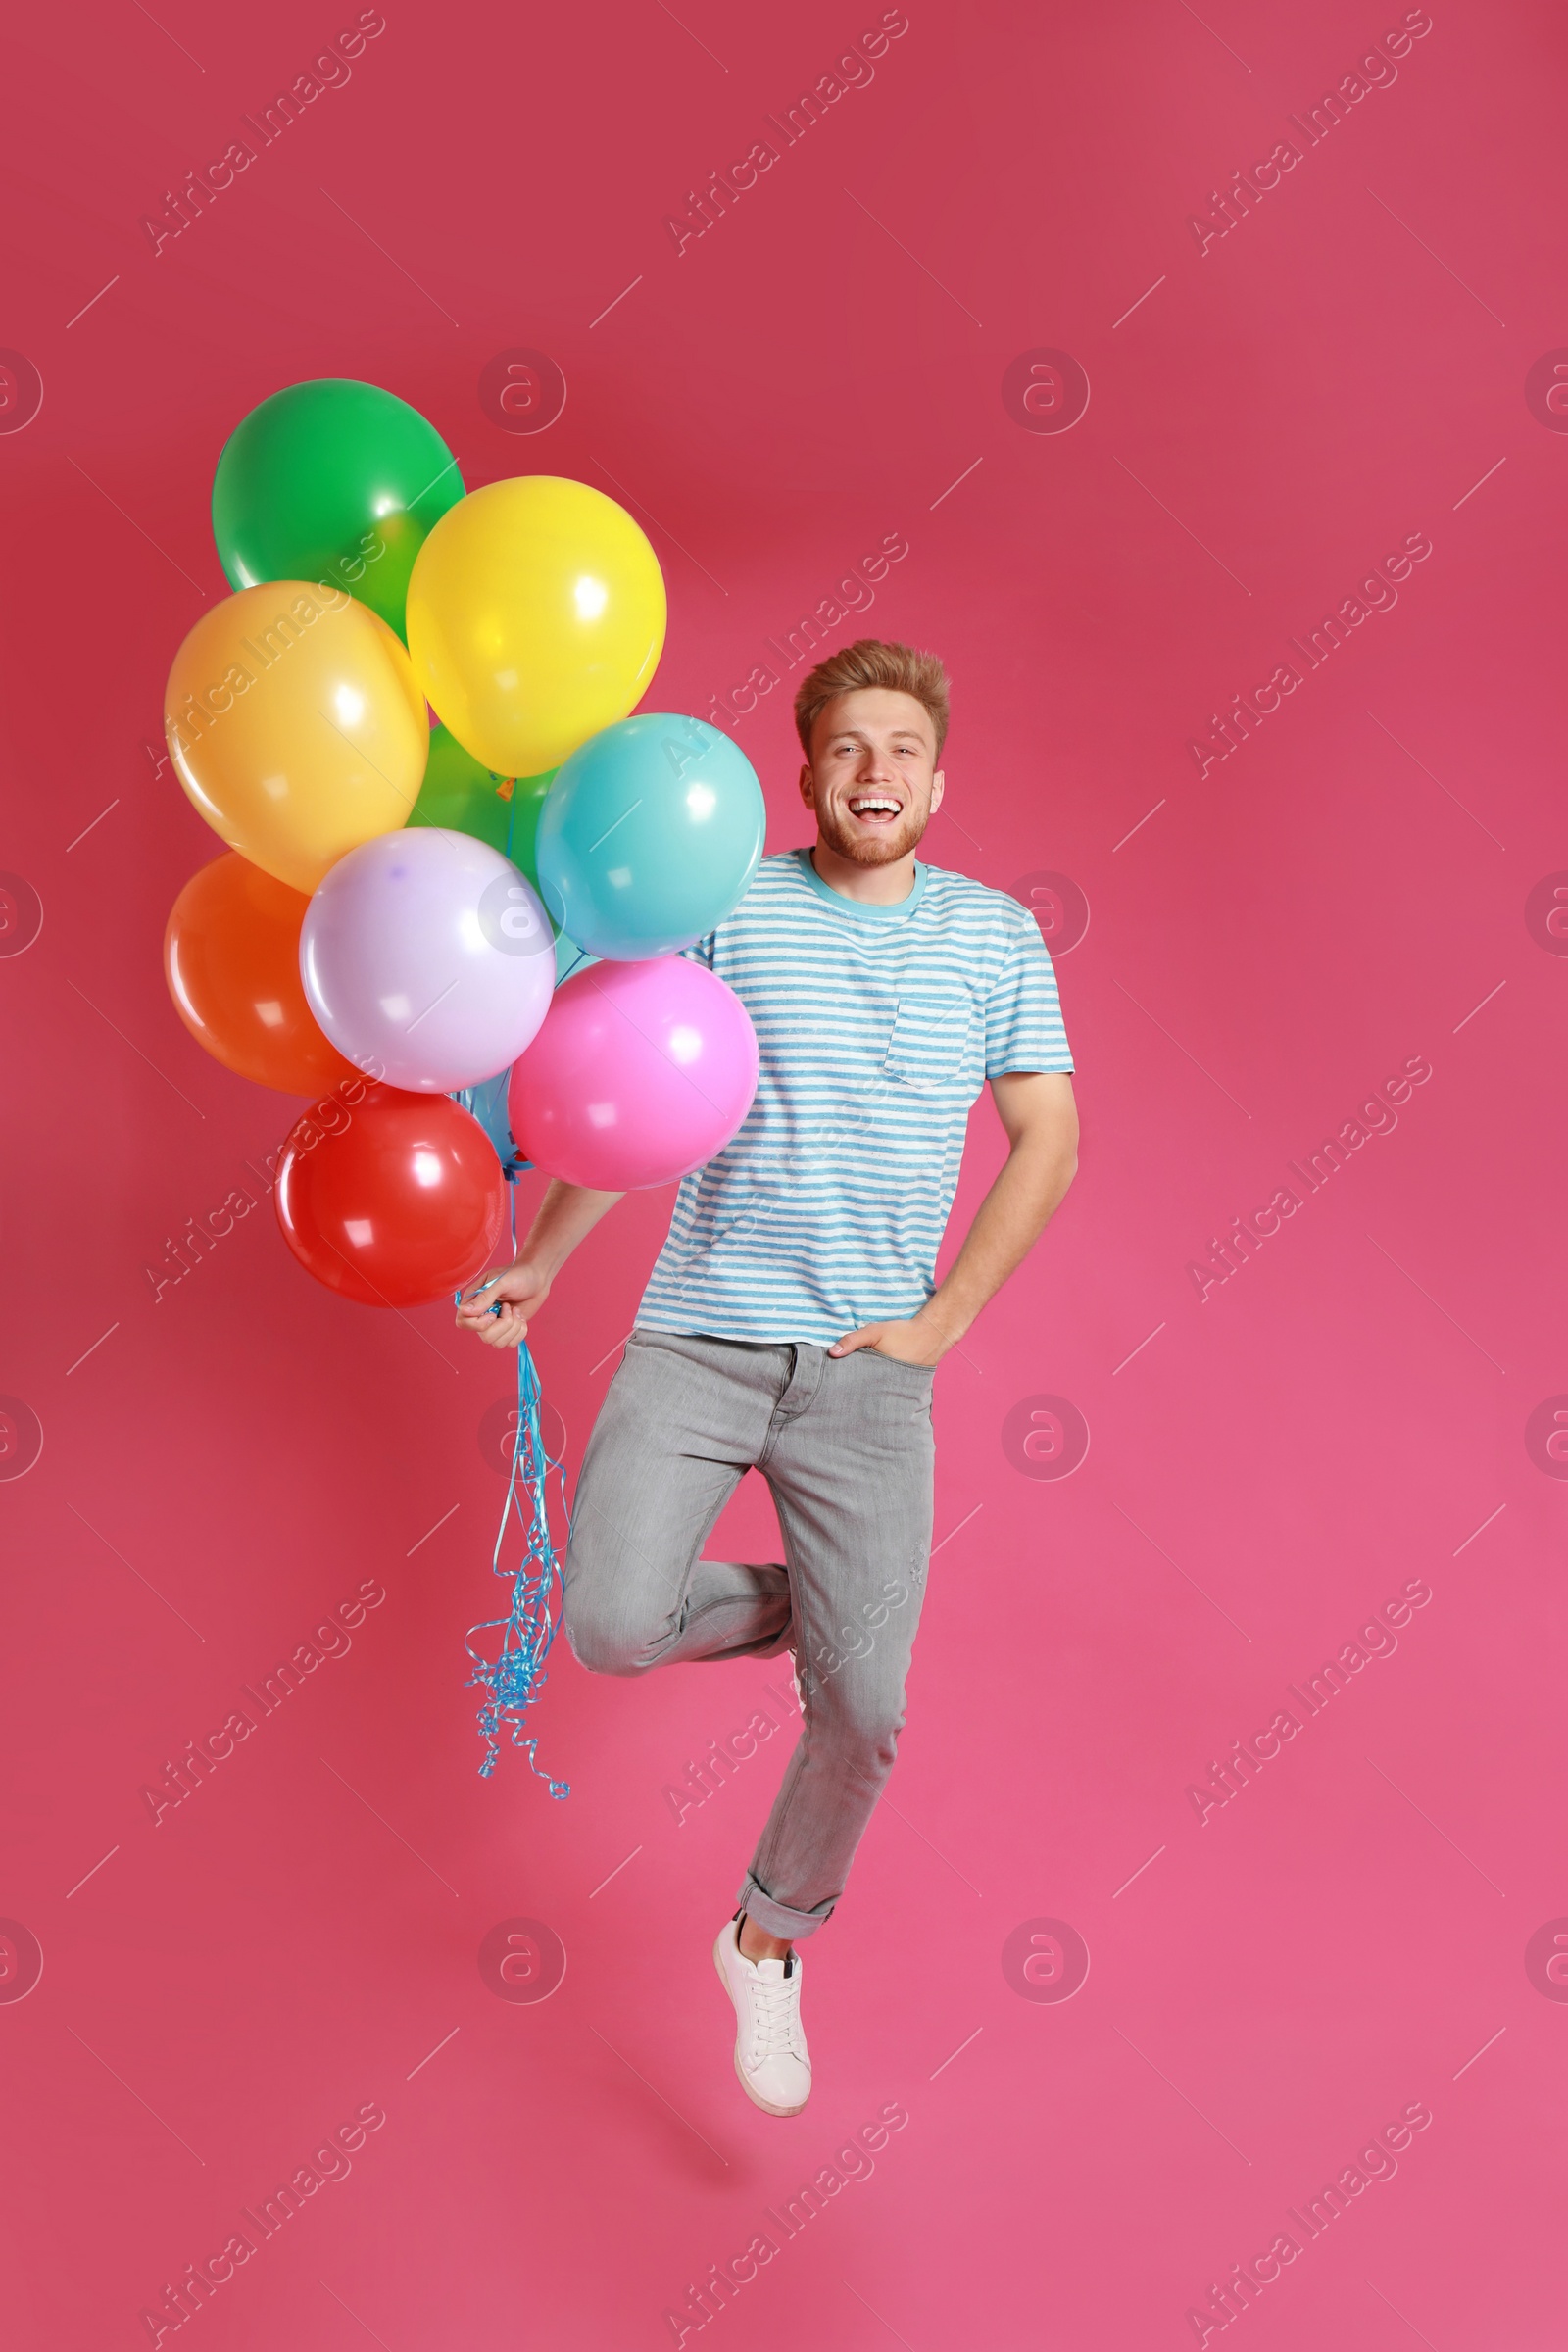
x=872 y=780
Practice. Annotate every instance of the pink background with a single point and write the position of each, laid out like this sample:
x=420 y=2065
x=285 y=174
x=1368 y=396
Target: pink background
x=1347 y=1413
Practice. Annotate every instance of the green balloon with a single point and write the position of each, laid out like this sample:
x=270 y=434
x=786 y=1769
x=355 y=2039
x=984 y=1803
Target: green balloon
x=465 y=798
x=335 y=481
x=527 y=799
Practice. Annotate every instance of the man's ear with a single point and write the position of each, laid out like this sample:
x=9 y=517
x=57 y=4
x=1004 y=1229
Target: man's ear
x=808 y=787
x=936 y=792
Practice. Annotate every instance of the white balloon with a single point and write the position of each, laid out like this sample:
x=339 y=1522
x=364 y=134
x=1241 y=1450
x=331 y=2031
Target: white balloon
x=428 y=959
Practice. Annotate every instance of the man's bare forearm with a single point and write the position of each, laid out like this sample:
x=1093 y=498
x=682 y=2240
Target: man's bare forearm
x=567 y=1216
x=1008 y=1222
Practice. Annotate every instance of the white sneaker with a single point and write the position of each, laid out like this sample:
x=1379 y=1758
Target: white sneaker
x=771 y=2055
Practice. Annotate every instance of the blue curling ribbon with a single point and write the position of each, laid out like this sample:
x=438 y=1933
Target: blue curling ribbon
x=515 y=1676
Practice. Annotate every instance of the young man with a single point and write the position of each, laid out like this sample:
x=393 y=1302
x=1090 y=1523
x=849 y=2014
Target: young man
x=792 y=1323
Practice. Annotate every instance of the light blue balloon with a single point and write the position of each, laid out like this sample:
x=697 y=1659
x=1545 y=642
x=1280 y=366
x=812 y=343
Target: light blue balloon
x=649 y=834
x=488 y=1100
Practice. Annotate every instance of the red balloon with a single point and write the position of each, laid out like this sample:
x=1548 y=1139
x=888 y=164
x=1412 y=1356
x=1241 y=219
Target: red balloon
x=394 y=1199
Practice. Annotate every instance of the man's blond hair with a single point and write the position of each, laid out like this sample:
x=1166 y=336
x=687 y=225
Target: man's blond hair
x=868 y=661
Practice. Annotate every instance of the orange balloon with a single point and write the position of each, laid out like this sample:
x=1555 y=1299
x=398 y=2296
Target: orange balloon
x=231 y=958
x=295 y=725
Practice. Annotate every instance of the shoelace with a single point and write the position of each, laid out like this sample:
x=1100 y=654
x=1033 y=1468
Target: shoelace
x=775 y=2020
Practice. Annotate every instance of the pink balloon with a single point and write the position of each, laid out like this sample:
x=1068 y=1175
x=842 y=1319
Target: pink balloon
x=641 y=1072
x=428 y=960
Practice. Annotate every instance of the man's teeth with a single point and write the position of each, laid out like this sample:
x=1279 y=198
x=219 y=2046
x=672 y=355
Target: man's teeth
x=874 y=808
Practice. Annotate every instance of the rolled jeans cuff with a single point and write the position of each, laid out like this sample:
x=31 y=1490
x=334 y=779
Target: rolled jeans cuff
x=777 y=1919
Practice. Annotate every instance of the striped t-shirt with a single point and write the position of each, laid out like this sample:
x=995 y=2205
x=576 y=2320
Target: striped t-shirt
x=877 y=1027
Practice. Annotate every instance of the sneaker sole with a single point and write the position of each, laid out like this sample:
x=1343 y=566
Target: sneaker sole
x=756 y=2097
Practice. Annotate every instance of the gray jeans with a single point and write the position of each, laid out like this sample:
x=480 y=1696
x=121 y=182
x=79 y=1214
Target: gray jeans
x=844 y=1444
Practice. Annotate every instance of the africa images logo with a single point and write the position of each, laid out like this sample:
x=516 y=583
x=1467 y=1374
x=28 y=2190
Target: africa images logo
x=1045 y=1437
x=706 y=206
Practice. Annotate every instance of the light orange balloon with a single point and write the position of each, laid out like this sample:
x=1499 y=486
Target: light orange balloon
x=296 y=727
x=231 y=958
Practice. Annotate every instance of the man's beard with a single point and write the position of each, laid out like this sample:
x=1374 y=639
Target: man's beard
x=875 y=848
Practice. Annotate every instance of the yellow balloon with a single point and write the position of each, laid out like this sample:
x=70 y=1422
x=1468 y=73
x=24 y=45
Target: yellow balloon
x=537 y=615
x=295 y=725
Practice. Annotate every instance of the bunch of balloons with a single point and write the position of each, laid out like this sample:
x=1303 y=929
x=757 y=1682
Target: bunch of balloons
x=456 y=865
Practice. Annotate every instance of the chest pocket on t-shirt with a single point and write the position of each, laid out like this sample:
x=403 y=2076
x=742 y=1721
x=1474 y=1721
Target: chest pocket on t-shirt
x=932 y=1041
